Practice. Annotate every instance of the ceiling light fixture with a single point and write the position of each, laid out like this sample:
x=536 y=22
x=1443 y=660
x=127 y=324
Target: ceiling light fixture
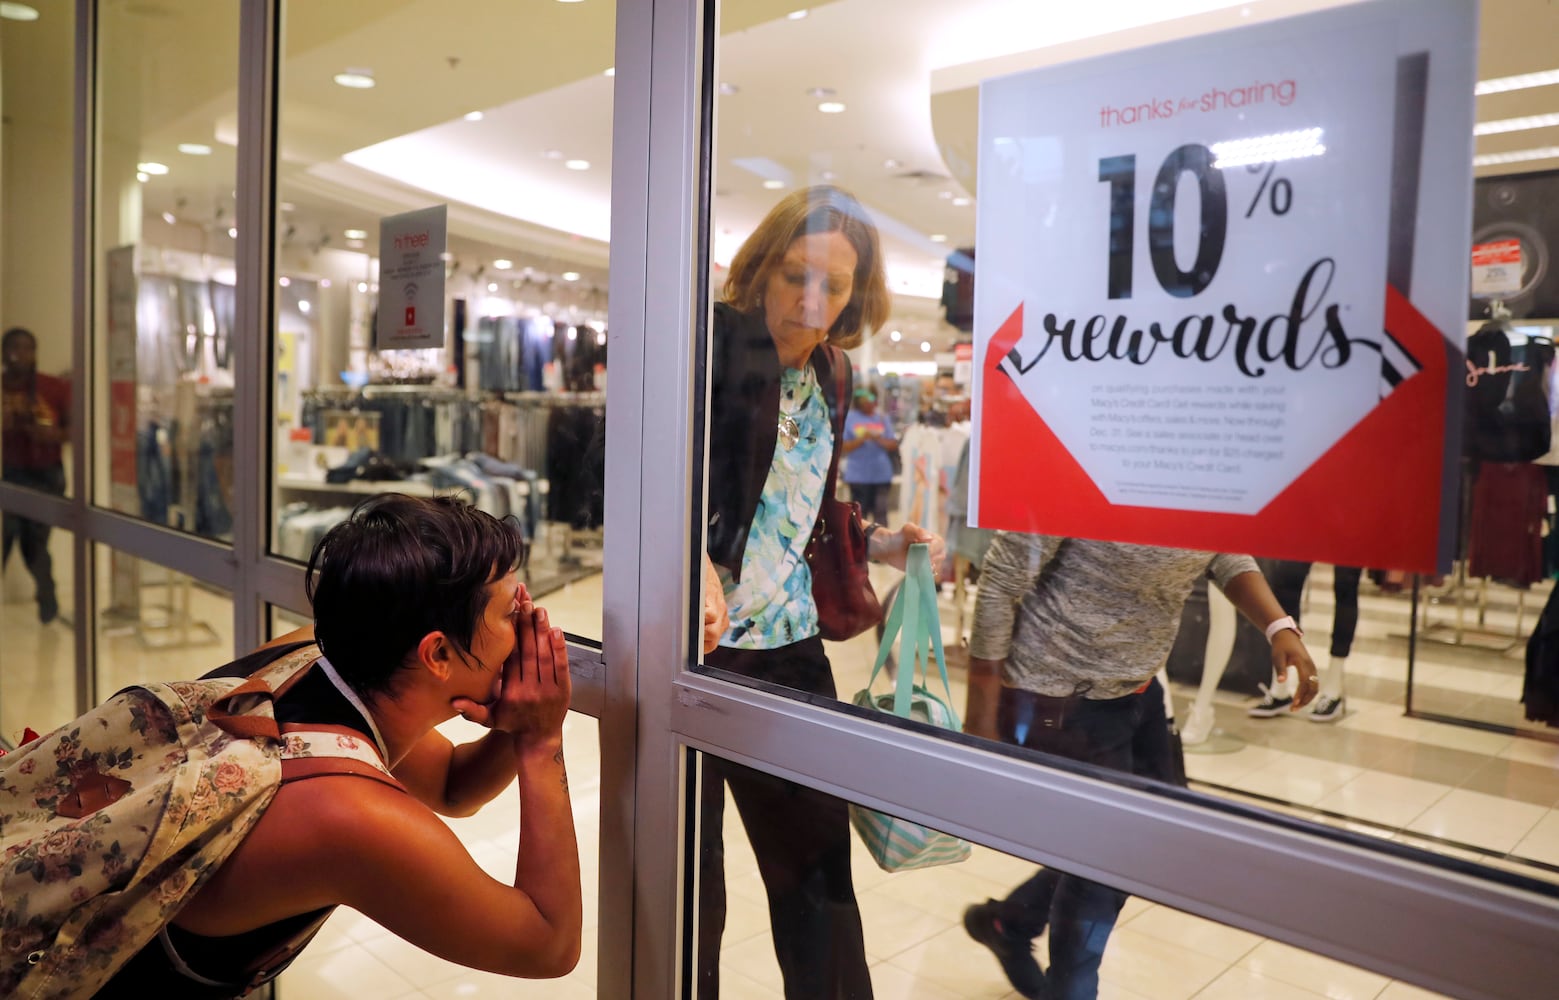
x=553 y=154
x=827 y=175
x=728 y=89
x=938 y=238
x=610 y=71
x=152 y=167
x=355 y=79
x=362 y=286
x=142 y=176
x=895 y=336
x=1515 y=124
x=1518 y=156
x=1521 y=81
x=232 y=232
x=194 y=149
x=577 y=164
x=324 y=282
x=503 y=265
x=925 y=347
x=891 y=164
x=831 y=107
x=821 y=92
x=797 y=15
x=303 y=306
x=284 y=281
x=492 y=286
x=571 y=1
x=570 y=275
x=474 y=116
x=287 y=206
x=961 y=202
x=18 y=12
x=169 y=218
x=355 y=234
x=773 y=185
x=944 y=195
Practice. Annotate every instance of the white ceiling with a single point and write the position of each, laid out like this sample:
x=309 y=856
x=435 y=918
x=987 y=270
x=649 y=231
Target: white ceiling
x=535 y=68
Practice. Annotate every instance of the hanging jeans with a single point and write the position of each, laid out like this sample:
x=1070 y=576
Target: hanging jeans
x=801 y=839
x=32 y=537
x=1125 y=734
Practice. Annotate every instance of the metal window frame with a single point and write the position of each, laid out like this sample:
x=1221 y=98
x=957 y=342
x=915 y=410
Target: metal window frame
x=1409 y=917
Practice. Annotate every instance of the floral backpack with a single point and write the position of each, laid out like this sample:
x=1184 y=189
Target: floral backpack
x=109 y=824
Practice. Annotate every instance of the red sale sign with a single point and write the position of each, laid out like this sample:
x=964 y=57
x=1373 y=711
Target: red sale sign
x=1212 y=309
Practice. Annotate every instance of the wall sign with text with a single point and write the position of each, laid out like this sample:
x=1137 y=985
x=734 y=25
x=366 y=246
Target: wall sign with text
x=412 y=247
x=1206 y=315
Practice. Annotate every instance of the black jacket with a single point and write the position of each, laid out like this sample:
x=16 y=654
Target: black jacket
x=744 y=381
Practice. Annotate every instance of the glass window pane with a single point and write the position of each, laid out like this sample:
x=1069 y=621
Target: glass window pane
x=828 y=191
x=156 y=624
x=36 y=195
x=38 y=658
x=781 y=873
x=354 y=957
x=163 y=253
x=500 y=394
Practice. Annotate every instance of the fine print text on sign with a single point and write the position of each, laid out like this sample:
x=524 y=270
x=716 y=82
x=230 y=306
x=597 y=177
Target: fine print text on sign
x=1185 y=275
x=411 y=279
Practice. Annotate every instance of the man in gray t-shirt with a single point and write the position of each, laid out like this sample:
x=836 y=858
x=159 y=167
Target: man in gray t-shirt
x=1068 y=637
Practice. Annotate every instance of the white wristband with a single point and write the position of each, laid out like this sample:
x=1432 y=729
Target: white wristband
x=1287 y=621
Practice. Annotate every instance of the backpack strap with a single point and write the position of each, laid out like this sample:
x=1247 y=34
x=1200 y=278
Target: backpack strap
x=316 y=749
x=269 y=682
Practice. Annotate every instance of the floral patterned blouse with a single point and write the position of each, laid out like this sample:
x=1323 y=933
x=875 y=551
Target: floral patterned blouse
x=772 y=606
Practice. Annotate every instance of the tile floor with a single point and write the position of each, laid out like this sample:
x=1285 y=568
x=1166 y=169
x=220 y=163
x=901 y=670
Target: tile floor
x=1485 y=796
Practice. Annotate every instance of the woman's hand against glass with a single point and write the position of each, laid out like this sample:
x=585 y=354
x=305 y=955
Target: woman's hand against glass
x=892 y=547
x=717 y=618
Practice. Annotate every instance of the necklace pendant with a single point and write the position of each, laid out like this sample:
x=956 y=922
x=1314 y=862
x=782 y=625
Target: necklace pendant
x=789 y=431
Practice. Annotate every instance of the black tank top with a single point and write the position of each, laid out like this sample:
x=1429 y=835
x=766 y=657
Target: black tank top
x=195 y=966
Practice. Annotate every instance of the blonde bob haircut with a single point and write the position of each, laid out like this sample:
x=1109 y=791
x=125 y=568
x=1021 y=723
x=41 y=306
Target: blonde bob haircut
x=820 y=209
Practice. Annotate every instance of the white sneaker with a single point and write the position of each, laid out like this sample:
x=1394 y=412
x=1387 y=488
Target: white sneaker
x=1328 y=709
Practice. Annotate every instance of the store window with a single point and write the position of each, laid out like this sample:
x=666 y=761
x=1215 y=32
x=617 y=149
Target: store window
x=155 y=623
x=38 y=658
x=845 y=199
x=36 y=198
x=473 y=358
x=978 y=924
x=163 y=263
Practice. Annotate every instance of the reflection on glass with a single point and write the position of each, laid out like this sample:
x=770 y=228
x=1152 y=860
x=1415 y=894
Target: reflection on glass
x=35 y=252
x=164 y=238
x=156 y=624
x=992 y=926
x=504 y=402
x=37 y=658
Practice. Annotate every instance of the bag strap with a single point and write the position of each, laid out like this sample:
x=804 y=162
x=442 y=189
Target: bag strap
x=270 y=681
x=839 y=367
x=914 y=615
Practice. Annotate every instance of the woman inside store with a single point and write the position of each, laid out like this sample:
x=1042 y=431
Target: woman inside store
x=806 y=284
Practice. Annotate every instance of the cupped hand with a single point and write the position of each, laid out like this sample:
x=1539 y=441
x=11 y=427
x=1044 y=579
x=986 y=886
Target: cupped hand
x=532 y=693
x=1288 y=651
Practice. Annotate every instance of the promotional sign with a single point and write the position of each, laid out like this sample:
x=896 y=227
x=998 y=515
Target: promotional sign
x=1195 y=320
x=411 y=279
x=1496 y=268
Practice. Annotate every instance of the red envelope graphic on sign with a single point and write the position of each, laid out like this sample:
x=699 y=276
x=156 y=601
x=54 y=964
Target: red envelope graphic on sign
x=1376 y=498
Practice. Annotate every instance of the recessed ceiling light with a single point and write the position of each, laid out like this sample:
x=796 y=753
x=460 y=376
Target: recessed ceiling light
x=194 y=149
x=773 y=185
x=355 y=79
x=925 y=347
x=142 y=176
x=1518 y=156
x=152 y=167
x=169 y=218
x=284 y=281
x=944 y=195
x=553 y=154
x=1515 y=124
x=961 y=201
x=610 y=71
x=324 y=282
x=232 y=232
x=895 y=336
x=503 y=265
x=821 y=92
x=356 y=234
x=827 y=175
x=303 y=306
x=362 y=286
x=287 y=206
x=474 y=116
x=796 y=15
x=830 y=107
x=571 y=1
x=938 y=238
x=577 y=164
x=18 y=12
x=492 y=286
x=570 y=275
x=890 y=163
x=1521 y=81
x=727 y=89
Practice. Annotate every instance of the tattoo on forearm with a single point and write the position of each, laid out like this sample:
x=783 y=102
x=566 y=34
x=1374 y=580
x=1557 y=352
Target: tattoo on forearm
x=557 y=759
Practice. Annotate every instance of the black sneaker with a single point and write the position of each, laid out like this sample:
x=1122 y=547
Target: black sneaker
x=48 y=609
x=1269 y=705
x=1015 y=954
x=1328 y=709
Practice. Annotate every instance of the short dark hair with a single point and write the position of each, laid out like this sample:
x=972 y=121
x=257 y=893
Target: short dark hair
x=398 y=568
x=17 y=333
x=822 y=208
